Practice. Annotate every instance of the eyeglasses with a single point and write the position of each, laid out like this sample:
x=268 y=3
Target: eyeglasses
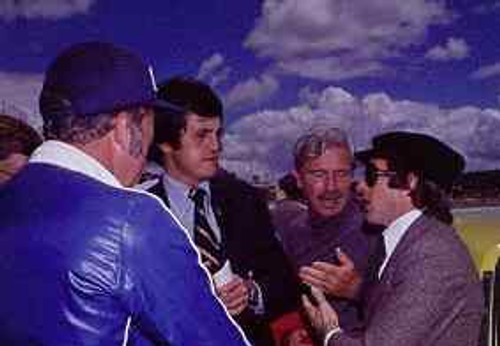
x=372 y=173
x=339 y=174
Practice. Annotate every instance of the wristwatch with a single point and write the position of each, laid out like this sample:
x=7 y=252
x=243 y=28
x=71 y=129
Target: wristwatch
x=253 y=294
x=332 y=333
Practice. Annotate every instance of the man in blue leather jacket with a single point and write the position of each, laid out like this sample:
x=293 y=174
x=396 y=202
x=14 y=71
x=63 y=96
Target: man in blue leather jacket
x=82 y=258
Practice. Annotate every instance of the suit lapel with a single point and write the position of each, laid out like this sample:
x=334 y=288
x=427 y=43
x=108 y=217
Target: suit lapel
x=379 y=290
x=219 y=208
x=158 y=189
x=219 y=205
x=411 y=235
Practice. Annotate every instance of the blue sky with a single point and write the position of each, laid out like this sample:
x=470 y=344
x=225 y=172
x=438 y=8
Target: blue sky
x=283 y=66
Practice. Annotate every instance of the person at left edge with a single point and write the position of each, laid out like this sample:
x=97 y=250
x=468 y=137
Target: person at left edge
x=261 y=286
x=81 y=256
x=18 y=140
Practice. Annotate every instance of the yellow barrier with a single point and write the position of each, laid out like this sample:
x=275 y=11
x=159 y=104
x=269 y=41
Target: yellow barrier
x=479 y=227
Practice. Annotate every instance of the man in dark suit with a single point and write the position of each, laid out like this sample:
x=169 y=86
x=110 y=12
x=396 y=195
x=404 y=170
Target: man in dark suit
x=249 y=269
x=428 y=291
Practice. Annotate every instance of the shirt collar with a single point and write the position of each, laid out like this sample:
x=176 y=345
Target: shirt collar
x=177 y=189
x=395 y=231
x=67 y=156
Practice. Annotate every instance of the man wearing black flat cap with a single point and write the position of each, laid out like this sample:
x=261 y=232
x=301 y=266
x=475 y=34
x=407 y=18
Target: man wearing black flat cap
x=82 y=258
x=428 y=291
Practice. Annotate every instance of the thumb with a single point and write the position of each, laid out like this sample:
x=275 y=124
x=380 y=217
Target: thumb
x=310 y=309
x=318 y=295
x=343 y=258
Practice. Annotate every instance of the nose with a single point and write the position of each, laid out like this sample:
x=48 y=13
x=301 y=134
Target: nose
x=215 y=143
x=331 y=182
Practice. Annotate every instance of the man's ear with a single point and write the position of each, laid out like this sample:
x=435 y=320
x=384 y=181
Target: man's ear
x=121 y=131
x=412 y=181
x=165 y=148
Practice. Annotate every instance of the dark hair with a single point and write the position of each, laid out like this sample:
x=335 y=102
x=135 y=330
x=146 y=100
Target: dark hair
x=17 y=137
x=427 y=195
x=192 y=96
x=433 y=200
x=288 y=183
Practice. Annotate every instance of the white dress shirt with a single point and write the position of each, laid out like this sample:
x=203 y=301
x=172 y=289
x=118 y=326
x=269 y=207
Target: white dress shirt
x=183 y=207
x=394 y=232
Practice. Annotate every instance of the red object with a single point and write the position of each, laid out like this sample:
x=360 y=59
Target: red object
x=285 y=325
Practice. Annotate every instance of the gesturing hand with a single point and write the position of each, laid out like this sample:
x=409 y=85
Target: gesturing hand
x=322 y=316
x=340 y=280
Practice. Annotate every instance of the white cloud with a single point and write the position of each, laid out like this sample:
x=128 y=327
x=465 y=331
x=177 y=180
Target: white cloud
x=340 y=39
x=252 y=91
x=308 y=95
x=53 y=9
x=453 y=49
x=213 y=70
x=209 y=65
x=19 y=94
x=329 y=68
x=220 y=77
x=487 y=71
x=261 y=143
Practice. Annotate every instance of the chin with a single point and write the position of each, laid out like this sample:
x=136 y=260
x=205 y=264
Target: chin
x=373 y=219
x=329 y=212
x=207 y=174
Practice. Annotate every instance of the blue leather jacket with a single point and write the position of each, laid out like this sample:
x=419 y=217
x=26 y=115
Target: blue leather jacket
x=81 y=261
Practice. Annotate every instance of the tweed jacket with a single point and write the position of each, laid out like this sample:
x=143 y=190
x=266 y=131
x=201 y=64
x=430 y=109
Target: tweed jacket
x=429 y=293
x=83 y=260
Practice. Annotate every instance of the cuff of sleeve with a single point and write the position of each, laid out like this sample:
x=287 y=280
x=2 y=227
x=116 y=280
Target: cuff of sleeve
x=331 y=333
x=256 y=301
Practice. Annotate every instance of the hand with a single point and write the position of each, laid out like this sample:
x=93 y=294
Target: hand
x=340 y=280
x=322 y=316
x=234 y=295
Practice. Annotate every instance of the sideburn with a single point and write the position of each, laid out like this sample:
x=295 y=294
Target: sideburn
x=135 y=135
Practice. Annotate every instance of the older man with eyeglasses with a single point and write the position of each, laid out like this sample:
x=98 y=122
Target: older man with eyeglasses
x=330 y=245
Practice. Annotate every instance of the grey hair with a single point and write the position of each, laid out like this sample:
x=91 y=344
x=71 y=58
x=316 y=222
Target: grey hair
x=79 y=129
x=316 y=141
x=84 y=128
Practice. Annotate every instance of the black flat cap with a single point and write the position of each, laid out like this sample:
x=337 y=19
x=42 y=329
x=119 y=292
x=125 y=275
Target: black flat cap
x=417 y=153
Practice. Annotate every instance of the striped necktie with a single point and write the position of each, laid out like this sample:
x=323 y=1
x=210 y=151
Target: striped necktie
x=204 y=236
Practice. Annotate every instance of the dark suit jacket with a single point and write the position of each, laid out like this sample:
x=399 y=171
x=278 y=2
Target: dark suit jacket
x=429 y=293
x=250 y=245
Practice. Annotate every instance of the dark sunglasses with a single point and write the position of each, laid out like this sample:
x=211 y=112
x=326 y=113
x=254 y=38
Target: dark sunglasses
x=372 y=173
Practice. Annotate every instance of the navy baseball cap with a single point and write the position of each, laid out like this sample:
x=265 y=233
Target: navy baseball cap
x=419 y=153
x=97 y=77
